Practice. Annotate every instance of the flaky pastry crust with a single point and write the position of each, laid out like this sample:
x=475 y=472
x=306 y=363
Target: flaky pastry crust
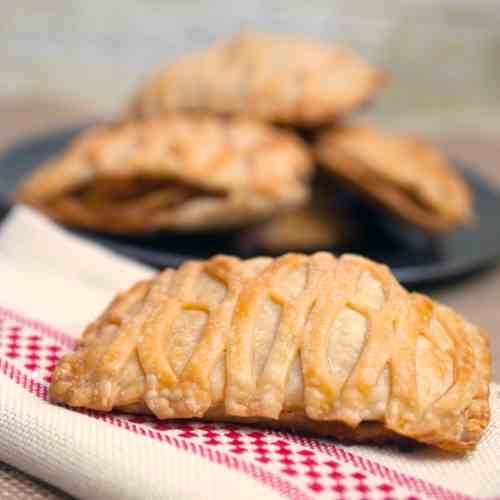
x=180 y=172
x=329 y=345
x=286 y=79
x=407 y=176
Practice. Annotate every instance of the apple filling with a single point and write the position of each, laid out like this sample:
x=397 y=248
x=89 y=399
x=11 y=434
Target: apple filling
x=127 y=204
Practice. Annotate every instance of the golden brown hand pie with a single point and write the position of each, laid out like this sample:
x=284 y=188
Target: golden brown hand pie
x=409 y=177
x=286 y=79
x=330 y=345
x=178 y=172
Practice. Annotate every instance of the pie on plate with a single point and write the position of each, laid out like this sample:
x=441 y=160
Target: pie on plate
x=180 y=172
x=333 y=346
x=282 y=78
x=409 y=177
x=320 y=224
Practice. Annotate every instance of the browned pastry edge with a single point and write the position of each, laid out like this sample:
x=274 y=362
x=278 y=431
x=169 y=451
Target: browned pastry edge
x=366 y=432
x=406 y=202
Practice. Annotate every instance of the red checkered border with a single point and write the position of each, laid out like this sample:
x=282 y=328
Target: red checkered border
x=275 y=481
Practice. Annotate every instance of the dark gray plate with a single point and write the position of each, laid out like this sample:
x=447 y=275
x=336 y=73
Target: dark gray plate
x=415 y=258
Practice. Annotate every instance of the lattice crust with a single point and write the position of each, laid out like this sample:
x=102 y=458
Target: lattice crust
x=182 y=172
x=281 y=78
x=408 y=176
x=332 y=345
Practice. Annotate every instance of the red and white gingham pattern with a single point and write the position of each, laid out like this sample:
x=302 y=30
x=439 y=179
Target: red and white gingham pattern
x=295 y=466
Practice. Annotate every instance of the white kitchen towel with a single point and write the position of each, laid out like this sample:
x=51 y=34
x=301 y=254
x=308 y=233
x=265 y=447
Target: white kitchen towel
x=51 y=285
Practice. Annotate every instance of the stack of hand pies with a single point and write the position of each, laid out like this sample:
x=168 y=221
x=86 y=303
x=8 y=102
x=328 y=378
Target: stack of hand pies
x=214 y=141
x=329 y=345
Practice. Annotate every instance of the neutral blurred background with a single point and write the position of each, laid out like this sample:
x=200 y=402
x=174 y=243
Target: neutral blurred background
x=443 y=56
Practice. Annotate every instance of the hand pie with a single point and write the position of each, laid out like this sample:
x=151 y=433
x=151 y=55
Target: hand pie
x=330 y=345
x=178 y=172
x=285 y=79
x=320 y=224
x=300 y=229
x=409 y=177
